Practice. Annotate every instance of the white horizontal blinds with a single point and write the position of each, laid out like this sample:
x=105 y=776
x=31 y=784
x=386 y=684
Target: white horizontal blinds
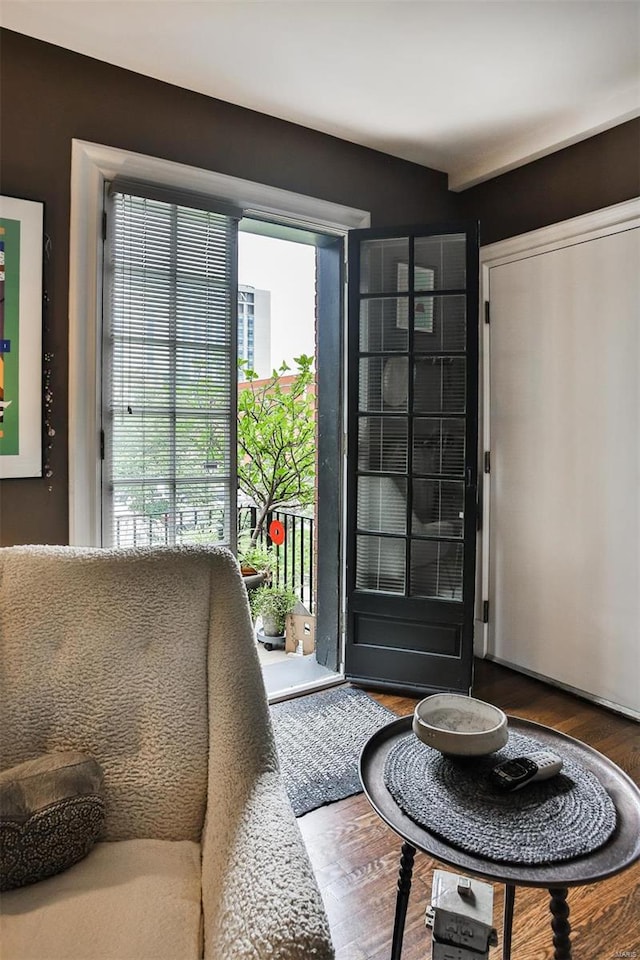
x=439 y=389
x=383 y=424
x=412 y=385
x=380 y=564
x=382 y=444
x=170 y=403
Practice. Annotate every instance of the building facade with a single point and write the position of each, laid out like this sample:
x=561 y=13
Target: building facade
x=254 y=329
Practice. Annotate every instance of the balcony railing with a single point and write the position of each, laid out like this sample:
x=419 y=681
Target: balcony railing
x=294 y=566
x=189 y=525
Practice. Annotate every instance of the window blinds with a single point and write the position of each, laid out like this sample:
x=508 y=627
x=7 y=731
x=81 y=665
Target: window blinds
x=169 y=382
x=411 y=370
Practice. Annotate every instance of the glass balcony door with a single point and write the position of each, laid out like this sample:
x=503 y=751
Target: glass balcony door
x=412 y=456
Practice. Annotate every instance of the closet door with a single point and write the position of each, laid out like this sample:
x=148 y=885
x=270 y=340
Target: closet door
x=564 y=530
x=412 y=456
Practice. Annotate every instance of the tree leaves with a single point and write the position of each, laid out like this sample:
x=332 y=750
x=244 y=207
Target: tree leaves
x=277 y=438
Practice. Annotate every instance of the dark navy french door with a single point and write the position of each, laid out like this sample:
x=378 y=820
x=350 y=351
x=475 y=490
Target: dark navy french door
x=412 y=456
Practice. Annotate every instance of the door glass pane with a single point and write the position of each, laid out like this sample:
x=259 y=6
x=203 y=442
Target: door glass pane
x=424 y=278
x=201 y=512
x=382 y=504
x=439 y=385
x=423 y=320
x=438 y=445
x=382 y=444
x=440 y=323
x=201 y=447
x=436 y=569
x=383 y=384
x=446 y=257
x=169 y=472
x=162 y=512
x=141 y=514
x=382 y=329
x=438 y=508
x=379 y=261
x=141 y=445
x=380 y=564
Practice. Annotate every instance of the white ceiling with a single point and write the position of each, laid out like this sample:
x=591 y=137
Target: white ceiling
x=471 y=87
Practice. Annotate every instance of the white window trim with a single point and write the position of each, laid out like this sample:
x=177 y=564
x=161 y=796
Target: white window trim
x=91 y=165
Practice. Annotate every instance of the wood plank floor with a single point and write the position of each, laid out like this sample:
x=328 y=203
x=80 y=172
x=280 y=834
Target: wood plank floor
x=356 y=856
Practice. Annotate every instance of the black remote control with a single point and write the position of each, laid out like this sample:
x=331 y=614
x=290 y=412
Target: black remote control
x=513 y=774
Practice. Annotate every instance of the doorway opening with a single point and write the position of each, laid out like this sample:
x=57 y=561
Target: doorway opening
x=280 y=352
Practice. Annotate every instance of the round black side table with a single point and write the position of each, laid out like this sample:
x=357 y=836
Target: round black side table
x=620 y=852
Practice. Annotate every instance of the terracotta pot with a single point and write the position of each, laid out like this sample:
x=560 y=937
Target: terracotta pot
x=253 y=580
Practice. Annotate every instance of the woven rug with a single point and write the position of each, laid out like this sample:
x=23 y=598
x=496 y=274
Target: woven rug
x=557 y=819
x=319 y=739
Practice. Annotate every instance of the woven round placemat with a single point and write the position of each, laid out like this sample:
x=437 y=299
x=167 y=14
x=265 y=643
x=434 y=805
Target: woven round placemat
x=557 y=819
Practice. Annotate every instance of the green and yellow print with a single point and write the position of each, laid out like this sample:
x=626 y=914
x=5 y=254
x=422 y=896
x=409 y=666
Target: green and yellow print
x=9 y=336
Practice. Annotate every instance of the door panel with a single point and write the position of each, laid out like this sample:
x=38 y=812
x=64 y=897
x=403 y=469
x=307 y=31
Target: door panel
x=565 y=451
x=412 y=456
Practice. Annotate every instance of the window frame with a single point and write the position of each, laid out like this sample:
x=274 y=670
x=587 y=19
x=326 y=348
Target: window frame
x=91 y=165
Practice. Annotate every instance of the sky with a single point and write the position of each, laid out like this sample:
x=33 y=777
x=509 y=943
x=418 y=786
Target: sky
x=288 y=270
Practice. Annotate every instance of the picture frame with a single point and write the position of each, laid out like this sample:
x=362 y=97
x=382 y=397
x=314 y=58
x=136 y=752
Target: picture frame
x=21 y=264
x=424 y=279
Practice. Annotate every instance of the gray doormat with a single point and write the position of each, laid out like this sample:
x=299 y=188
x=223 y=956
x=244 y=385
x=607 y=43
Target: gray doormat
x=557 y=819
x=319 y=739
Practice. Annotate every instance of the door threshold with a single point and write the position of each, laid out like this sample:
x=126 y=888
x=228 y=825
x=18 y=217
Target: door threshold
x=296 y=676
x=292 y=692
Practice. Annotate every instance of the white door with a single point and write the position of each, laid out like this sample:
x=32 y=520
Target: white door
x=564 y=425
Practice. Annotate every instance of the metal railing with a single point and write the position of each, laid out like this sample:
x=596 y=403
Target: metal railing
x=188 y=525
x=294 y=560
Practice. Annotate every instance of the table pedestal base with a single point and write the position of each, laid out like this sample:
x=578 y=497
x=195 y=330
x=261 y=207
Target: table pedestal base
x=558 y=906
x=507 y=922
x=560 y=923
x=402 y=899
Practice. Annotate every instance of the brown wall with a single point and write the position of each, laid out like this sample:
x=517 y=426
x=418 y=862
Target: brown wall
x=595 y=173
x=50 y=95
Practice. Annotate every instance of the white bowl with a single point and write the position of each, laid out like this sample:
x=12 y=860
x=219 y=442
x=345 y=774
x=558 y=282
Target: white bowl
x=459 y=725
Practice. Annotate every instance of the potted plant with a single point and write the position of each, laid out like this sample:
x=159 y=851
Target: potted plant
x=256 y=560
x=256 y=566
x=273 y=604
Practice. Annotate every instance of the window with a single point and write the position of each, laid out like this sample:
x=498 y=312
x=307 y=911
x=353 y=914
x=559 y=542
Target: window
x=169 y=358
x=93 y=165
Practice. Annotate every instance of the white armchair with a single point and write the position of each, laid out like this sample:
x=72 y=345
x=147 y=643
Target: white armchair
x=145 y=659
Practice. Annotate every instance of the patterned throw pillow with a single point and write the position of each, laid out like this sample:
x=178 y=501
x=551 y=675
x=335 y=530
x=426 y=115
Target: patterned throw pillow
x=51 y=814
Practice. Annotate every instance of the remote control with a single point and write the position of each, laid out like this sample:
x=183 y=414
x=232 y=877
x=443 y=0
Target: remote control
x=514 y=774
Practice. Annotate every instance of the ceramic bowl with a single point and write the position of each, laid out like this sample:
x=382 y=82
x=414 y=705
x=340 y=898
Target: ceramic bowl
x=460 y=726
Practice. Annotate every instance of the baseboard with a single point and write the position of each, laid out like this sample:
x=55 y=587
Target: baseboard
x=583 y=694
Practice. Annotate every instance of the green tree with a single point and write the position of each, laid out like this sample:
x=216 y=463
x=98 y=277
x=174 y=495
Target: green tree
x=276 y=440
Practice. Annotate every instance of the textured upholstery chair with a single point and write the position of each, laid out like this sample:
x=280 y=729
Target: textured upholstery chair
x=146 y=660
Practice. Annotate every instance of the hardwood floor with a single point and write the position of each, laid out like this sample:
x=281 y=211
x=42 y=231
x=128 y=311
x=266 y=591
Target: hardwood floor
x=356 y=857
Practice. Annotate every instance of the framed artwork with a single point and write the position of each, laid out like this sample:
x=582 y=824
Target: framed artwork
x=21 y=258
x=424 y=278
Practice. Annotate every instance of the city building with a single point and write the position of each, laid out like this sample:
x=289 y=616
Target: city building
x=254 y=329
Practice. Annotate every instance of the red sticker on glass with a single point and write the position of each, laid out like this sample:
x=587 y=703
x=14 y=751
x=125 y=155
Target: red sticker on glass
x=276 y=532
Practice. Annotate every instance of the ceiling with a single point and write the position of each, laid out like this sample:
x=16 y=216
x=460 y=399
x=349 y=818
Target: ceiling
x=470 y=87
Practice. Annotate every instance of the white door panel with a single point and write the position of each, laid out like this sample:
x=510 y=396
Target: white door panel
x=564 y=568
